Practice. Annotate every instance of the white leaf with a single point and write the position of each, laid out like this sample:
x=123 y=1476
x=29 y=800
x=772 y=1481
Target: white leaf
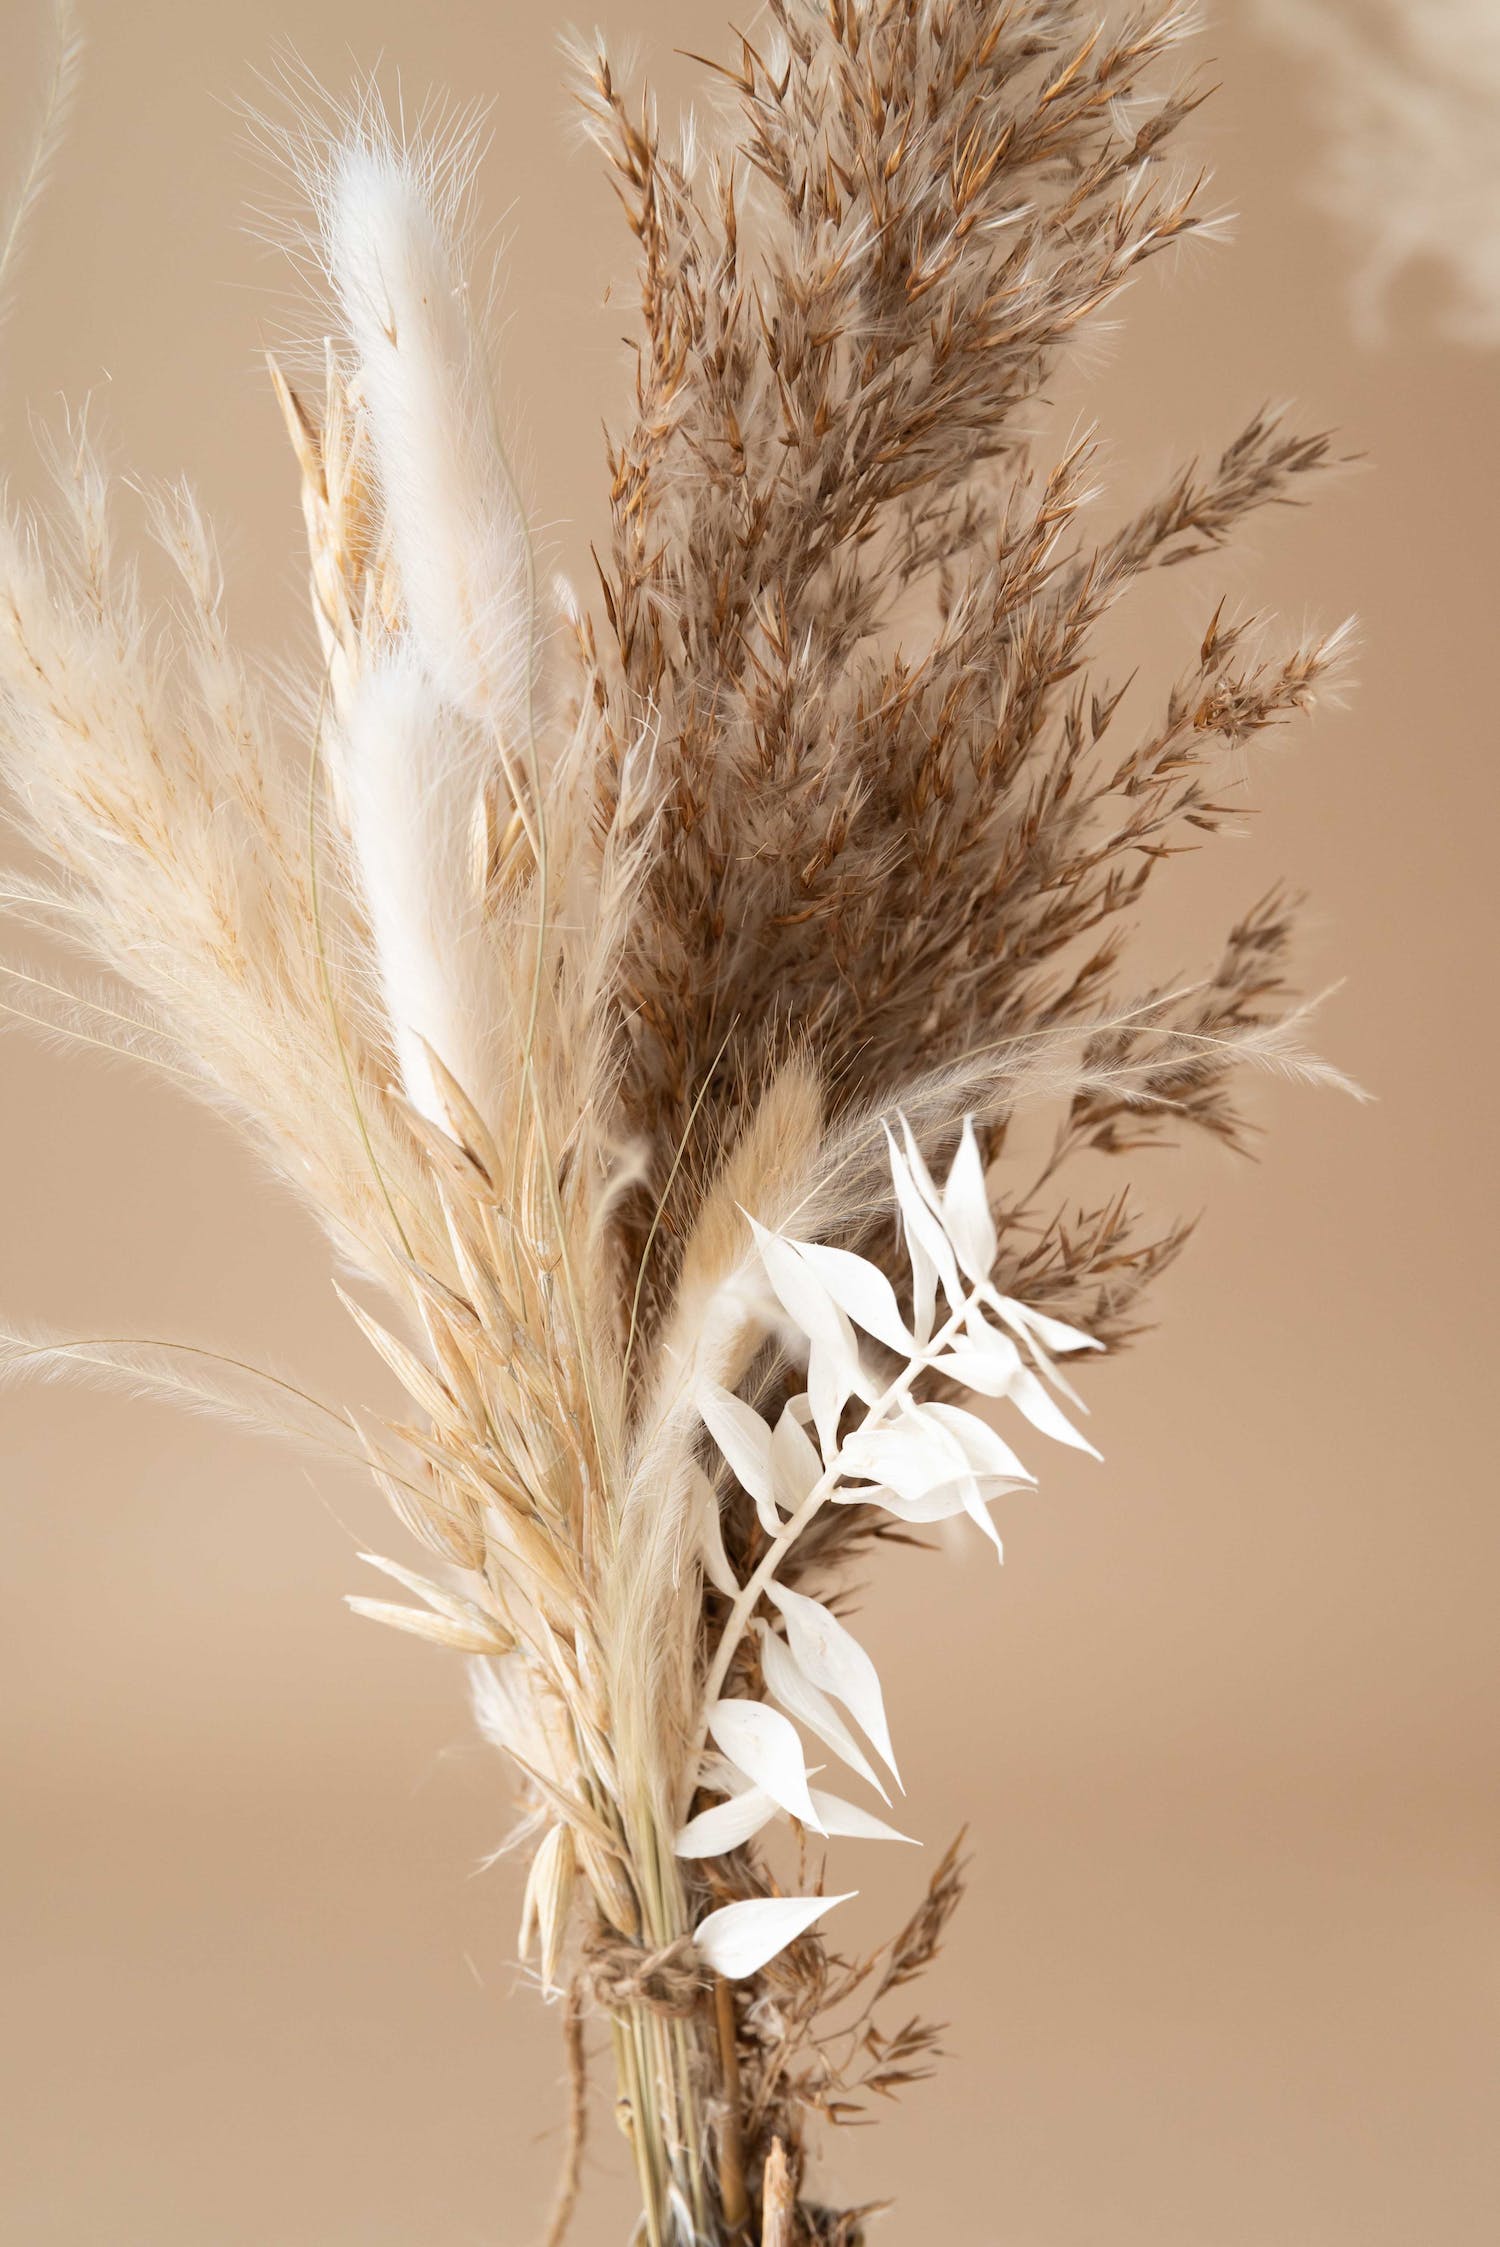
x=745 y=1441
x=938 y=1504
x=922 y=1234
x=847 y=1820
x=717 y=1775
x=810 y=1707
x=834 y=1372
x=1036 y=1325
x=705 y=1501
x=1028 y=1396
x=831 y=1658
x=911 y=1456
x=984 y=1451
x=862 y=1290
x=1034 y=1329
x=739 y=1939
x=726 y=1825
x=988 y=1371
x=974 y=1507
x=966 y=1208
x=764 y=1745
x=929 y=1201
x=921 y=1175
x=795 y=1464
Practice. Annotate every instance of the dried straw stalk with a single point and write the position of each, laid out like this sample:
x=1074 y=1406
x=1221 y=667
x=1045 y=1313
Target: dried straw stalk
x=611 y=987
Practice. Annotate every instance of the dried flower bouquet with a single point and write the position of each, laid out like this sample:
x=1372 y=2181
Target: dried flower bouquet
x=641 y=1002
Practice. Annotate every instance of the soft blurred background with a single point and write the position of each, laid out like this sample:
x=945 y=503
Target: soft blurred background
x=1224 y=1730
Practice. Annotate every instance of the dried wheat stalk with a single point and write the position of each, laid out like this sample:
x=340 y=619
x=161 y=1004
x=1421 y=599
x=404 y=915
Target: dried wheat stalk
x=618 y=993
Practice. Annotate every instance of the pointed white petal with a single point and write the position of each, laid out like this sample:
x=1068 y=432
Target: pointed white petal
x=1035 y=1329
x=761 y=1743
x=834 y=1372
x=745 y=1441
x=795 y=1464
x=739 y=1939
x=831 y=1657
x=1051 y=1333
x=918 y=1229
x=862 y=1291
x=938 y=1504
x=921 y=1175
x=726 y=1825
x=966 y=1208
x=716 y=1568
x=984 y=1451
x=978 y=1513
x=798 y=1694
x=1042 y=1410
x=912 y=1455
x=850 y=1823
x=988 y=1371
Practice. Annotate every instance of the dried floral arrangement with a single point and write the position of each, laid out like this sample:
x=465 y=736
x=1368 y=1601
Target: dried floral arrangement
x=641 y=1000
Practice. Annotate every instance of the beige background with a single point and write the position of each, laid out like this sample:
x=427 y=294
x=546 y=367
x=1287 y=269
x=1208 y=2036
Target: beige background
x=1225 y=1728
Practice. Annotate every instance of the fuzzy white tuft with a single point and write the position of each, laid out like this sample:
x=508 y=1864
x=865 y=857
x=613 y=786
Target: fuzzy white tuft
x=459 y=535
x=412 y=779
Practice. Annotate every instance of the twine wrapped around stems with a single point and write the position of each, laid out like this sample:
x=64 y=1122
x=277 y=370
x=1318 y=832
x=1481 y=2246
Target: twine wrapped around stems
x=618 y=1975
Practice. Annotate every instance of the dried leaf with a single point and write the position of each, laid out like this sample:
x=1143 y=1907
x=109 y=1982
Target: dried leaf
x=1027 y=1394
x=966 y=1208
x=739 y=1939
x=705 y=1500
x=797 y=1693
x=745 y=1441
x=834 y=1372
x=726 y=1825
x=987 y=1454
x=795 y=1464
x=860 y=1290
x=831 y=1658
x=761 y=1743
x=848 y=1821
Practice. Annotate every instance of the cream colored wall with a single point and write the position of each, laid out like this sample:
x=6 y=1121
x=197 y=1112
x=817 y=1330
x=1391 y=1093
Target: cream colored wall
x=1224 y=1730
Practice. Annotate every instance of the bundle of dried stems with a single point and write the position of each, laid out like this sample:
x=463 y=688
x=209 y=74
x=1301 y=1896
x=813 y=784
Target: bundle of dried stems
x=641 y=1003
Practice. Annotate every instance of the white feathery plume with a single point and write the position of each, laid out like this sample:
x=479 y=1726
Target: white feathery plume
x=459 y=535
x=412 y=774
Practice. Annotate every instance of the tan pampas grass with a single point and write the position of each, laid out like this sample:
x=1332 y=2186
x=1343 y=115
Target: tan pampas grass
x=641 y=1003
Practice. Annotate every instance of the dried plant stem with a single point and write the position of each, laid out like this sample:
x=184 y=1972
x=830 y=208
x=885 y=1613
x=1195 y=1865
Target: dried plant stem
x=663 y=2064
x=571 y=2180
x=732 y=2195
